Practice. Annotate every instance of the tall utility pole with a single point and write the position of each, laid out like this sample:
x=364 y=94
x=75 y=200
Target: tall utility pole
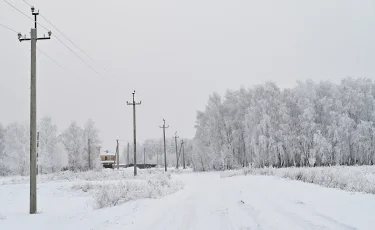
x=157 y=157
x=89 y=151
x=144 y=158
x=165 y=149
x=33 y=145
x=134 y=131
x=117 y=155
x=127 y=157
x=37 y=155
x=175 y=140
x=183 y=153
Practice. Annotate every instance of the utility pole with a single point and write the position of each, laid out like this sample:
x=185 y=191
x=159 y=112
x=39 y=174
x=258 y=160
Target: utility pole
x=117 y=155
x=183 y=153
x=175 y=140
x=165 y=149
x=134 y=131
x=37 y=155
x=127 y=157
x=144 y=158
x=157 y=157
x=89 y=151
x=33 y=142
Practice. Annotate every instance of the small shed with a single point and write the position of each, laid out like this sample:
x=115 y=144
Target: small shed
x=107 y=158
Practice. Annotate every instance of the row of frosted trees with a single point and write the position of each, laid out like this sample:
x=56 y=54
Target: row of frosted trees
x=68 y=149
x=312 y=124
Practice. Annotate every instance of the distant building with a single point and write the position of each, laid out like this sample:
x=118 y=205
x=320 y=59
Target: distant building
x=107 y=159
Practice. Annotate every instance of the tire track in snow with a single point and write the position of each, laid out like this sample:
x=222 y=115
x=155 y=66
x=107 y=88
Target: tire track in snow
x=310 y=219
x=271 y=215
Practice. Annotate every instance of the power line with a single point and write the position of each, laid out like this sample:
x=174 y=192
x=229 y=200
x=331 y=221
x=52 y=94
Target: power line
x=41 y=51
x=77 y=55
x=25 y=14
x=18 y=10
x=54 y=36
x=74 y=44
x=6 y=27
x=67 y=38
x=57 y=29
x=27 y=3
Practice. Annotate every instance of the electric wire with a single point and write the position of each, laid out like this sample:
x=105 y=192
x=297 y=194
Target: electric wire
x=39 y=50
x=77 y=55
x=70 y=40
x=25 y=14
x=54 y=36
x=6 y=27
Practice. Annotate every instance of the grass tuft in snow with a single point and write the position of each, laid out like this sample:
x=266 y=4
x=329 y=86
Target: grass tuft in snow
x=349 y=178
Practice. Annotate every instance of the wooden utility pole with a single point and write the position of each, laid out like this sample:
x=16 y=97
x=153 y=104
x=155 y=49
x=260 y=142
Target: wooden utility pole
x=89 y=152
x=183 y=153
x=175 y=140
x=117 y=156
x=144 y=158
x=134 y=132
x=33 y=119
x=157 y=157
x=165 y=149
x=127 y=157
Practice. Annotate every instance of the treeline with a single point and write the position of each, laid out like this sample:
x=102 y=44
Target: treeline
x=312 y=124
x=68 y=150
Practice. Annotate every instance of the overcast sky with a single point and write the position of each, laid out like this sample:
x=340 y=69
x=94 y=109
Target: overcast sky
x=175 y=54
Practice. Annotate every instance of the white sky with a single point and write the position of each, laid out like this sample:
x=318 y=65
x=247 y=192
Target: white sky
x=174 y=54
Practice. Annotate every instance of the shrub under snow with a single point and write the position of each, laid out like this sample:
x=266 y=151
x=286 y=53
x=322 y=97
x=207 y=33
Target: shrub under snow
x=100 y=175
x=148 y=184
x=350 y=178
x=111 y=187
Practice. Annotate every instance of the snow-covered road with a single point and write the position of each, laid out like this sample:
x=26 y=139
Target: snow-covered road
x=207 y=202
x=255 y=202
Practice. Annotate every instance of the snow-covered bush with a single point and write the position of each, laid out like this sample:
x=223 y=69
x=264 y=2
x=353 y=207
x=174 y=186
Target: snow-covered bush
x=350 y=178
x=111 y=193
x=98 y=175
x=86 y=186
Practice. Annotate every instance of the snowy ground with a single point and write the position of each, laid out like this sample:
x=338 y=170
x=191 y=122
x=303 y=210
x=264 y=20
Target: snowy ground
x=206 y=202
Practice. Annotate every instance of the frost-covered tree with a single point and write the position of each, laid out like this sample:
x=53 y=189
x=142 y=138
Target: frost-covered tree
x=3 y=166
x=51 y=151
x=16 y=147
x=74 y=143
x=69 y=149
x=91 y=132
x=310 y=124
